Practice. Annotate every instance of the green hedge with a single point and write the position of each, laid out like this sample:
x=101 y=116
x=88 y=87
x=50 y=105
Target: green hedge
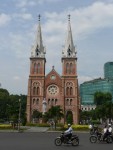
x=96 y=122
x=61 y=127
x=5 y=126
x=38 y=124
x=78 y=127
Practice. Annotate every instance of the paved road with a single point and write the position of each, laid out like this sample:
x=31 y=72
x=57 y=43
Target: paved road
x=45 y=141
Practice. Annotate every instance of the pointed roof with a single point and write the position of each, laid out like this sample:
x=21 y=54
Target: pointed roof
x=53 y=71
x=53 y=78
x=38 y=48
x=69 y=48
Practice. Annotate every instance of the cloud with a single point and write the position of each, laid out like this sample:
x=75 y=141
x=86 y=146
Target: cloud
x=97 y=16
x=31 y=3
x=4 y=19
x=19 y=45
x=25 y=3
x=85 y=20
x=85 y=78
x=16 y=78
x=24 y=16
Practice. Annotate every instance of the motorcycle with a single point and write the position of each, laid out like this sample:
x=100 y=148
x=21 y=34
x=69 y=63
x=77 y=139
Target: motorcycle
x=99 y=137
x=93 y=130
x=62 y=139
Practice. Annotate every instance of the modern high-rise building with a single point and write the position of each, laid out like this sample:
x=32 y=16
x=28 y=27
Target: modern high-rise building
x=87 y=89
x=108 y=70
x=45 y=91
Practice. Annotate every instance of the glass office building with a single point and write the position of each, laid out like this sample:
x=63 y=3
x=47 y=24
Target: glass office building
x=87 y=89
x=108 y=70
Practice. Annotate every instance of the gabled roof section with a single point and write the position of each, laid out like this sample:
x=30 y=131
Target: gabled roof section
x=38 y=49
x=53 y=72
x=69 y=48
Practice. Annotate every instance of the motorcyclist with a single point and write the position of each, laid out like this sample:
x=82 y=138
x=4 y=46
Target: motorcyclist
x=109 y=129
x=90 y=126
x=105 y=132
x=68 y=132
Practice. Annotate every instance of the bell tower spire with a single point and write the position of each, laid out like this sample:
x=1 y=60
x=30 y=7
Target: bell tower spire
x=69 y=77
x=36 y=82
x=38 y=49
x=69 y=48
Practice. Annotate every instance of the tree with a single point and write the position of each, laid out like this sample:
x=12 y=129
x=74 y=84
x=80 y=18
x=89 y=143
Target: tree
x=9 y=106
x=55 y=113
x=98 y=98
x=85 y=116
x=36 y=115
x=102 y=98
x=104 y=105
x=4 y=99
x=69 y=118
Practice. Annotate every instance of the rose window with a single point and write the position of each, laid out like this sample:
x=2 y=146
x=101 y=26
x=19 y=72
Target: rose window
x=53 y=89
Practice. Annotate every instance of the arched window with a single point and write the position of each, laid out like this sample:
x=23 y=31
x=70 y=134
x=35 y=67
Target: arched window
x=70 y=101
x=56 y=101
x=34 y=90
x=38 y=68
x=67 y=102
x=71 y=91
x=69 y=51
x=49 y=102
x=37 y=101
x=35 y=68
x=71 y=67
x=37 y=51
x=67 y=68
x=33 y=101
x=52 y=102
x=67 y=91
x=38 y=91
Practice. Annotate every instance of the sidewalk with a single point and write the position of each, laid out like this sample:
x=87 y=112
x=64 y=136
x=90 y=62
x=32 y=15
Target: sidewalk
x=36 y=129
x=27 y=129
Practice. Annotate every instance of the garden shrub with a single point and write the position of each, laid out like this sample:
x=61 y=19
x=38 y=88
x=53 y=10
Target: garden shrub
x=78 y=127
x=5 y=126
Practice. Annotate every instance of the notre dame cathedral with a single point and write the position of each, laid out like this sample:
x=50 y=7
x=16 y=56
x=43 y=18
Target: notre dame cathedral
x=53 y=89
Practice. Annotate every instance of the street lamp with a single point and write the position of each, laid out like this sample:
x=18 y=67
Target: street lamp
x=19 y=118
x=56 y=117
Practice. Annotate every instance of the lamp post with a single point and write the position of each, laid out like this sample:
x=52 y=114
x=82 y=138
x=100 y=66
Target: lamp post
x=19 y=118
x=56 y=117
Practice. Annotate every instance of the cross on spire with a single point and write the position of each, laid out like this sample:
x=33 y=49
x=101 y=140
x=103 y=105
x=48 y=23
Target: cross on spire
x=52 y=67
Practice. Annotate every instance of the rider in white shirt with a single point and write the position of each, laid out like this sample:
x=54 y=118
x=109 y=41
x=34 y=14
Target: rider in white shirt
x=68 y=132
x=105 y=132
x=109 y=128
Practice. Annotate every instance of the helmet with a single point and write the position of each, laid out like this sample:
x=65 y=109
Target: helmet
x=109 y=125
x=69 y=124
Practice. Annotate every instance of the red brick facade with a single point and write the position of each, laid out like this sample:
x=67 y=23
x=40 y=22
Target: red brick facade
x=59 y=90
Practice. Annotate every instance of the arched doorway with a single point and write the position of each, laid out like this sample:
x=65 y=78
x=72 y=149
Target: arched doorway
x=69 y=117
x=36 y=115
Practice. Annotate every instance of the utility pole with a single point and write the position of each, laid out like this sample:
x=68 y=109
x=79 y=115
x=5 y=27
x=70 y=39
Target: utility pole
x=19 y=115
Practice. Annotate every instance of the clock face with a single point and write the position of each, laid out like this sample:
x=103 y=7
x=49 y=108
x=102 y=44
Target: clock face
x=53 y=77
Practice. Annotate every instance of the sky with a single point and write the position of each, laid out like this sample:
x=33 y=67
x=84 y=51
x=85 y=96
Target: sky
x=92 y=30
